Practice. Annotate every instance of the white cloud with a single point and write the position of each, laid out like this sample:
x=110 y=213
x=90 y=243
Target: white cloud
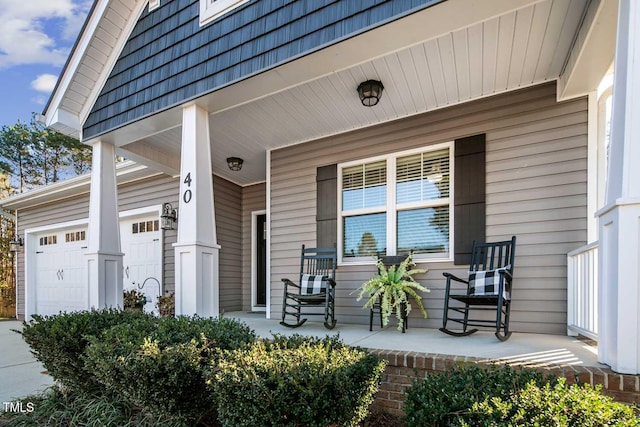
x=44 y=83
x=40 y=100
x=23 y=39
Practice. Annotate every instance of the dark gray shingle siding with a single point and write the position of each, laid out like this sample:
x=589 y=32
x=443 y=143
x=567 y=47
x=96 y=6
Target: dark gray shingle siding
x=169 y=58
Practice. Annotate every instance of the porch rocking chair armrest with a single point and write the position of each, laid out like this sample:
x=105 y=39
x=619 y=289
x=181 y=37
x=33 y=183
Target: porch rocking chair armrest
x=452 y=277
x=331 y=282
x=288 y=282
x=507 y=274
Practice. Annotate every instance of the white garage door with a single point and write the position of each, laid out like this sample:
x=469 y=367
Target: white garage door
x=60 y=282
x=141 y=244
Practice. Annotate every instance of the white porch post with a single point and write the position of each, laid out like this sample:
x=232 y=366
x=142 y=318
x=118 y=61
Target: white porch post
x=104 y=256
x=197 y=251
x=619 y=220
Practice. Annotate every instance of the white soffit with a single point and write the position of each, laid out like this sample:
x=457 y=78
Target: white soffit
x=88 y=67
x=593 y=51
x=508 y=52
x=452 y=53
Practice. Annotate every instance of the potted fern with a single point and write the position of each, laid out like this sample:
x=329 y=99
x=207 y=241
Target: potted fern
x=393 y=287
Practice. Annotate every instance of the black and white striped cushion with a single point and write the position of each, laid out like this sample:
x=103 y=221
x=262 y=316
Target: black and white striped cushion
x=313 y=284
x=486 y=282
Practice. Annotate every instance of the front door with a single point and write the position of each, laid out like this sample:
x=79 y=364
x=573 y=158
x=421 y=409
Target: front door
x=261 y=260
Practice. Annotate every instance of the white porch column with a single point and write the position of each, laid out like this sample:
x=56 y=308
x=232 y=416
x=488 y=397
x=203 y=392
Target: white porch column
x=197 y=251
x=104 y=256
x=619 y=220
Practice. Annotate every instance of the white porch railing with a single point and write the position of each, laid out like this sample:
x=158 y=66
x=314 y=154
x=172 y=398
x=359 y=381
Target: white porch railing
x=582 y=291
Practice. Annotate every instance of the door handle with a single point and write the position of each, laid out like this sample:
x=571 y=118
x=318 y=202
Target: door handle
x=58 y=274
x=62 y=274
x=126 y=271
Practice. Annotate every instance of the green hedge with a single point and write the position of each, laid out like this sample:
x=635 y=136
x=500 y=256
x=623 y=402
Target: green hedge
x=160 y=365
x=554 y=405
x=59 y=342
x=295 y=382
x=445 y=399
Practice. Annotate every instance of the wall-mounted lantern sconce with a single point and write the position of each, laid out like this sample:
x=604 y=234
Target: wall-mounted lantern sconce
x=14 y=245
x=370 y=92
x=235 y=163
x=169 y=217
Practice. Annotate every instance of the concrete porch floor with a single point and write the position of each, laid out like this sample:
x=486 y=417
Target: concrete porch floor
x=521 y=349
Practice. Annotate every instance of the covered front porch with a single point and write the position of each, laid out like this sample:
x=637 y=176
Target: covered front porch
x=521 y=73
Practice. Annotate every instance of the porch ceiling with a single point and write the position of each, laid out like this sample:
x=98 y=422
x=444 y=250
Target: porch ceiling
x=508 y=51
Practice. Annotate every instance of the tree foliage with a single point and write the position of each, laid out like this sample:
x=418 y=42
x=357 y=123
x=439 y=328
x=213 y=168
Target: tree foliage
x=32 y=155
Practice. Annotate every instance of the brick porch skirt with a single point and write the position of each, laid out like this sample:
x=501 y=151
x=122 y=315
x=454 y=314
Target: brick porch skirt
x=403 y=367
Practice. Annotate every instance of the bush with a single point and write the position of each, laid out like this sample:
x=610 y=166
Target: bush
x=58 y=408
x=294 y=382
x=445 y=399
x=554 y=405
x=59 y=342
x=133 y=300
x=161 y=366
x=166 y=305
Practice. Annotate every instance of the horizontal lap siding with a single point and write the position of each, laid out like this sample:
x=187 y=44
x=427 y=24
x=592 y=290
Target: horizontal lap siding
x=253 y=199
x=228 y=205
x=536 y=189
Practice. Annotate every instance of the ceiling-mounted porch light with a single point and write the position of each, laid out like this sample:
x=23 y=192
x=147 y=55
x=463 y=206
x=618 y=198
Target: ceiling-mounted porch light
x=169 y=217
x=14 y=245
x=235 y=163
x=370 y=92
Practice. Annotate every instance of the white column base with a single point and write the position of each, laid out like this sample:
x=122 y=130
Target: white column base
x=619 y=290
x=197 y=279
x=104 y=271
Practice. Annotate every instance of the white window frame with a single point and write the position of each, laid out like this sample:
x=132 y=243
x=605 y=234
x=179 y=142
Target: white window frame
x=392 y=208
x=212 y=9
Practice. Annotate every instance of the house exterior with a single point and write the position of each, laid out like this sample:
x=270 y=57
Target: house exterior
x=492 y=123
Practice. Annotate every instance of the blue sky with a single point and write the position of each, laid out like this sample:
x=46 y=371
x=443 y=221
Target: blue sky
x=36 y=37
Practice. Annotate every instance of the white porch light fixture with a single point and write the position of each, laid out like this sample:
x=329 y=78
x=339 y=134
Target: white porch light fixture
x=169 y=217
x=14 y=245
x=235 y=163
x=370 y=92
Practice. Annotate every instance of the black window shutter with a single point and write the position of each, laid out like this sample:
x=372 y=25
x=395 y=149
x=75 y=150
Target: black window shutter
x=326 y=206
x=469 y=198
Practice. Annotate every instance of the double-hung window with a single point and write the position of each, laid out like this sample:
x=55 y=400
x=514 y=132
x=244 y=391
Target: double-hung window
x=396 y=204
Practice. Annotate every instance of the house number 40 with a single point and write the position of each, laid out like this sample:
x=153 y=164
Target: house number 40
x=186 y=196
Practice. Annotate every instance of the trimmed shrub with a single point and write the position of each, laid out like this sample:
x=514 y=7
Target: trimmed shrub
x=555 y=405
x=161 y=366
x=59 y=342
x=295 y=382
x=445 y=399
